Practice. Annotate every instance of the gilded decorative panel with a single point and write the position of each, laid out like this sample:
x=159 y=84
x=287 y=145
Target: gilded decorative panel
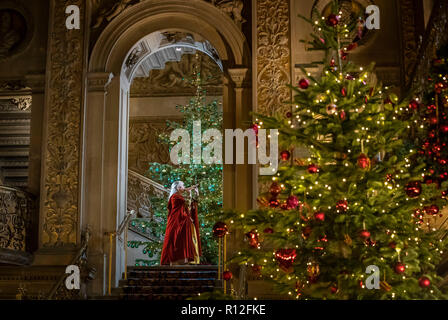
x=62 y=146
x=273 y=56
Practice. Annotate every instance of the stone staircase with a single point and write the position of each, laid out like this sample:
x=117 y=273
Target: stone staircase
x=15 y=126
x=168 y=283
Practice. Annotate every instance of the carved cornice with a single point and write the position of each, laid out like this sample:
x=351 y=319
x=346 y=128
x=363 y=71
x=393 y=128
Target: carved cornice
x=99 y=81
x=36 y=82
x=273 y=56
x=62 y=145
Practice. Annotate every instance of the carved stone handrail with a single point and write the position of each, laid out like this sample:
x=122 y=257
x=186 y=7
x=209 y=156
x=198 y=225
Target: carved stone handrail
x=59 y=290
x=435 y=36
x=16 y=208
x=140 y=189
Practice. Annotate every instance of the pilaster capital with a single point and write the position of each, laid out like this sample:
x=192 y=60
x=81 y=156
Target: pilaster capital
x=240 y=76
x=98 y=81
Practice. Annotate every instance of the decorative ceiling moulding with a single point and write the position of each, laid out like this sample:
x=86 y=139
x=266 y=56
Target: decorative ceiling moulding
x=16 y=29
x=106 y=56
x=273 y=56
x=155 y=50
x=105 y=11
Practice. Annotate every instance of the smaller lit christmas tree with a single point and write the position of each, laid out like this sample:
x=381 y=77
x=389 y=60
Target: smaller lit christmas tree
x=208 y=177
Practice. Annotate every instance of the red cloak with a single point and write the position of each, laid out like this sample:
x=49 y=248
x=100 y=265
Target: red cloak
x=178 y=243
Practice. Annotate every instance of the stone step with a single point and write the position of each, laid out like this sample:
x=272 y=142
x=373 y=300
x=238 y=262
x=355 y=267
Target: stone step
x=191 y=289
x=172 y=274
x=171 y=282
x=175 y=267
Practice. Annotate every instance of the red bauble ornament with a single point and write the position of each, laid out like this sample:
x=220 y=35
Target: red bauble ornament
x=365 y=234
x=332 y=62
x=334 y=289
x=255 y=128
x=312 y=168
x=400 y=268
x=220 y=229
x=275 y=189
x=344 y=92
x=288 y=114
x=284 y=206
x=274 y=203
x=342 y=205
x=319 y=216
x=344 y=55
x=445 y=193
x=256 y=269
x=292 y=202
x=268 y=230
x=304 y=83
x=352 y=46
x=363 y=161
x=285 y=154
x=413 y=105
x=332 y=20
x=227 y=275
x=432 y=209
x=392 y=245
x=431 y=108
x=413 y=189
x=438 y=87
x=342 y=115
x=253 y=238
x=285 y=258
x=444 y=128
x=433 y=120
x=424 y=282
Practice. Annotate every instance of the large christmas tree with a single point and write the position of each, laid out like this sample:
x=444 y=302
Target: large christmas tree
x=352 y=203
x=207 y=177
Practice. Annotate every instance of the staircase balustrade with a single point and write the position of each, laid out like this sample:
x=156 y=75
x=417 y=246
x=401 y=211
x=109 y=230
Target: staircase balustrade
x=16 y=220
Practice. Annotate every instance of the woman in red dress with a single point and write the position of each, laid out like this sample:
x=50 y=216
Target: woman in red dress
x=182 y=243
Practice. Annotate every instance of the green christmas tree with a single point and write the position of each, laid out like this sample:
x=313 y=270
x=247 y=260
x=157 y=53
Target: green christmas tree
x=351 y=203
x=207 y=177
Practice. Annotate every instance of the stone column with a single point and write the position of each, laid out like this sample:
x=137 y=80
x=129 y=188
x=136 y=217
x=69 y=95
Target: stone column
x=91 y=208
x=59 y=201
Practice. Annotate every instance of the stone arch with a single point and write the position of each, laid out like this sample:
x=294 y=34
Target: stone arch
x=105 y=122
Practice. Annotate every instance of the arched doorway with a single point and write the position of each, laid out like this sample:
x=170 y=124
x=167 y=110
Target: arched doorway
x=178 y=82
x=104 y=171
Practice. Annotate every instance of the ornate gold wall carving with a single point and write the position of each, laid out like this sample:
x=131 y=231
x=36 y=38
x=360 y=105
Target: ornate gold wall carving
x=273 y=56
x=176 y=78
x=62 y=144
x=144 y=145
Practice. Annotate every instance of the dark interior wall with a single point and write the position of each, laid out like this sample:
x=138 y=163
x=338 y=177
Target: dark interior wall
x=32 y=58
